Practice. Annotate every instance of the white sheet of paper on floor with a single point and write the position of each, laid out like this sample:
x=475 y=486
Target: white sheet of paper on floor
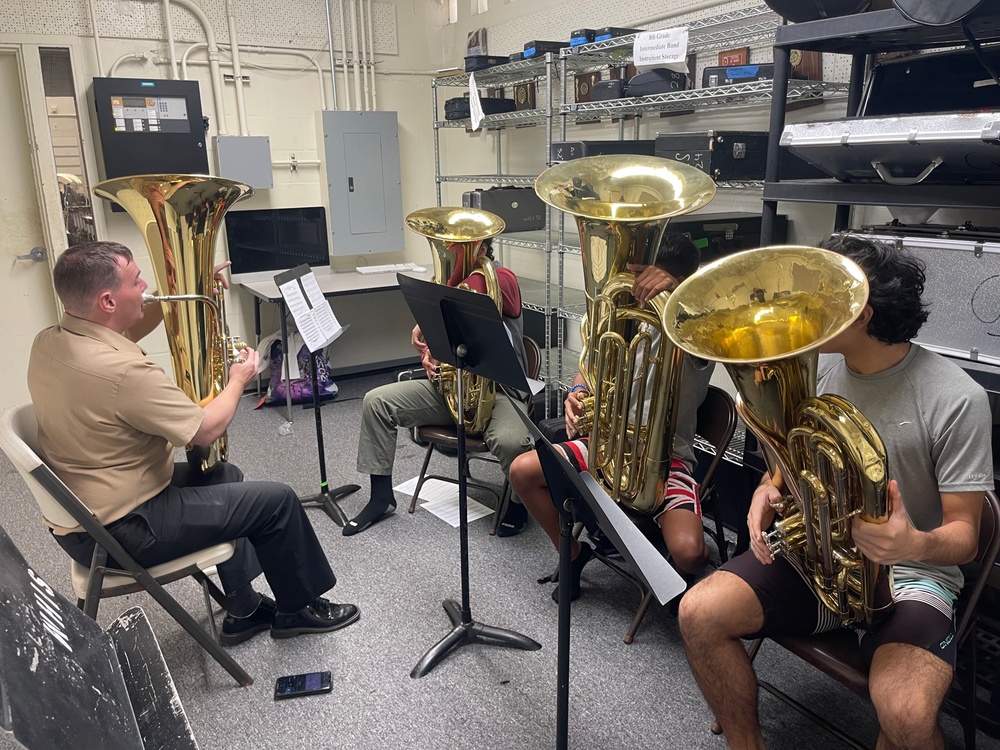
x=441 y=499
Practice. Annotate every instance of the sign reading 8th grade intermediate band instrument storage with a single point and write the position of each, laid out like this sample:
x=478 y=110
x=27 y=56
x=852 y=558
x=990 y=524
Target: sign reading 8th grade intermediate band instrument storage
x=663 y=48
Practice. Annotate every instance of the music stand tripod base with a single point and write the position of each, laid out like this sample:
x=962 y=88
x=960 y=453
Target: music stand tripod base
x=470 y=632
x=327 y=500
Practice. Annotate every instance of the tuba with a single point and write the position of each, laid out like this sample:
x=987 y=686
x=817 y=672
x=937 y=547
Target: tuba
x=621 y=205
x=765 y=314
x=178 y=216
x=456 y=237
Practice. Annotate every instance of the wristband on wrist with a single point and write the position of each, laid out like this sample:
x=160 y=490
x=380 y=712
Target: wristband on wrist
x=579 y=387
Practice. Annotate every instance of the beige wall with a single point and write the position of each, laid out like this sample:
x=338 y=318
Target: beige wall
x=413 y=38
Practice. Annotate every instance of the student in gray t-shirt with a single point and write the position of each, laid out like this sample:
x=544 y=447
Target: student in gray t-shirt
x=935 y=423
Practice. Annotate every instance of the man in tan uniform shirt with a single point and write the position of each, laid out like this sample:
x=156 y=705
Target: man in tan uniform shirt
x=108 y=422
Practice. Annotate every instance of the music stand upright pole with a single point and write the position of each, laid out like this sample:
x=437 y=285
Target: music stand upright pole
x=465 y=629
x=565 y=595
x=327 y=498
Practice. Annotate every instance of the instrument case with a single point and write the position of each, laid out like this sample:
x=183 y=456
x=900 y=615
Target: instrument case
x=659 y=81
x=581 y=36
x=520 y=207
x=458 y=108
x=536 y=48
x=479 y=62
x=904 y=150
x=953 y=81
x=962 y=286
x=567 y=150
x=610 y=32
x=721 y=75
x=729 y=155
x=603 y=91
x=717 y=235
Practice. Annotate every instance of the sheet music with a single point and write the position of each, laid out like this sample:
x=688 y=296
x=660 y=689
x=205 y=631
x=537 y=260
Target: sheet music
x=311 y=311
x=441 y=499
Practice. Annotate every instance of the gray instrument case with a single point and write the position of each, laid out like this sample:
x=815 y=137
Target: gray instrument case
x=904 y=150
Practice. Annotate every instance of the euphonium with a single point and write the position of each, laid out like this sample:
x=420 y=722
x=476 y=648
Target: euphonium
x=456 y=236
x=621 y=205
x=178 y=216
x=765 y=314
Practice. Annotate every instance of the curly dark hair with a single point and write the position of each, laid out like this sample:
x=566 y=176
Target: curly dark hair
x=677 y=255
x=85 y=270
x=895 y=281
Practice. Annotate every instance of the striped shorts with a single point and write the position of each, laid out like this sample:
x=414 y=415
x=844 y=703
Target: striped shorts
x=681 y=490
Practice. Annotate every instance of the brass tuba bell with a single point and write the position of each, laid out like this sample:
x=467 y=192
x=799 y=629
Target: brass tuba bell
x=765 y=314
x=178 y=217
x=622 y=205
x=456 y=236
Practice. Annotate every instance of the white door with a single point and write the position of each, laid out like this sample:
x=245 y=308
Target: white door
x=26 y=297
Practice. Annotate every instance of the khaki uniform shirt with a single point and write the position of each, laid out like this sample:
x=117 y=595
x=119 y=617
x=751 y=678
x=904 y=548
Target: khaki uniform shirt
x=108 y=417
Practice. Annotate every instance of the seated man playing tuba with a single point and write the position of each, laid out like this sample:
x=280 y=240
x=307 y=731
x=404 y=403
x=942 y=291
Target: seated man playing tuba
x=934 y=421
x=108 y=421
x=679 y=517
x=414 y=403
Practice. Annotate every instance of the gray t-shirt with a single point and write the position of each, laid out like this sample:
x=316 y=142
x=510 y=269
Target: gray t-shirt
x=935 y=423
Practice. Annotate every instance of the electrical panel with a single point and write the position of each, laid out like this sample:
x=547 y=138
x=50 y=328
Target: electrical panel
x=361 y=175
x=245 y=158
x=149 y=127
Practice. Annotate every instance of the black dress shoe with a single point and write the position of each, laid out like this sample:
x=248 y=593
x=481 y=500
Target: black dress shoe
x=319 y=616
x=238 y=629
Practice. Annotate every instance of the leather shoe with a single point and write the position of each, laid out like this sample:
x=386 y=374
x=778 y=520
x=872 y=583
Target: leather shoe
x=319 y=616
x=238 y=629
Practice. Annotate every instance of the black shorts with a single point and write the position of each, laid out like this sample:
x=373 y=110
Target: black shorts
x=791 y=608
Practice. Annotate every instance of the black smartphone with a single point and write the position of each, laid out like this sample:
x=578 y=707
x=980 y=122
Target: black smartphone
x=294 y=685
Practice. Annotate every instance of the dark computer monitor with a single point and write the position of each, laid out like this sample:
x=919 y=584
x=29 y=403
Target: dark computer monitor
x=264 y=241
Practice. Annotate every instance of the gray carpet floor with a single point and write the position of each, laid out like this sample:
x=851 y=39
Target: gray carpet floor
x=398 y=572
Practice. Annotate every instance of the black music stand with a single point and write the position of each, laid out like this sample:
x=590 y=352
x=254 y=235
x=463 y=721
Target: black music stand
x=464 y=329
x=568 y=488
x=325 y=498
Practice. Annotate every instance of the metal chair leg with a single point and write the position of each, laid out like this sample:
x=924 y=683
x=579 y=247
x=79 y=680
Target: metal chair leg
x=422 y=478
x=639 y=614
x=214 y=591
x=208 y=607
x=95 y=581
x=505 y=497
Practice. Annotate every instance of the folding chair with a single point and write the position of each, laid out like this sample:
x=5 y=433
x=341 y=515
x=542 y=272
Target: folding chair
x=446 y=436
x=838 y=655
x=63 y=509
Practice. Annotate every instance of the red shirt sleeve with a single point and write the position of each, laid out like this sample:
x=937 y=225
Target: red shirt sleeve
x=509 y=290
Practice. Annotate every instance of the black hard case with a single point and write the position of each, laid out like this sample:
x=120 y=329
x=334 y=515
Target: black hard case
x=520 y=207
x=610 y=32
x=722 y=234
x=458 y=108
x=954 y=81
x=722 y=75
x=479 y=62
x=567 y=150
x=728 y=155
x=658 y=81
x=536 y=48
x=603 y=91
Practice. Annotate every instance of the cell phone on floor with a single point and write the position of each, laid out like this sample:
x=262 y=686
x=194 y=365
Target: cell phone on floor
x=295 y=685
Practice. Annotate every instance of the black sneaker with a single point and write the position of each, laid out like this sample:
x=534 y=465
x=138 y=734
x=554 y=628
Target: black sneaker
x=319 y=616
x=514 y=520
x=238 y=629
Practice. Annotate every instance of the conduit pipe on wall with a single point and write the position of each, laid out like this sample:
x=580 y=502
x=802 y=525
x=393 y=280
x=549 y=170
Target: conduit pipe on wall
x=343 y=40
x=171 y=49
x=213 y=64
x=706 y=5
x=333 y=57
x=241 y=107
x=371 y=50
x=354 y=53
x=263 y=50
x=124 y=58
x=97 y=38
x=364 y=53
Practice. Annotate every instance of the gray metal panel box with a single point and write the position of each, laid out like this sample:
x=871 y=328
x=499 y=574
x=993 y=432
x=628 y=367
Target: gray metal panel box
x=364 y=198
x=245 y=158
